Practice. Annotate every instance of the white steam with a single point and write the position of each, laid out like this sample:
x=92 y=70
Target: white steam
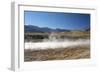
x=55 y=42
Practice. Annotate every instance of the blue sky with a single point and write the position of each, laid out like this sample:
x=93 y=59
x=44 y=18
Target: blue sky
x=69 y=21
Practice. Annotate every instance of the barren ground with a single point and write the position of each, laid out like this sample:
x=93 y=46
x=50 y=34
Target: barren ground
x=78 y=52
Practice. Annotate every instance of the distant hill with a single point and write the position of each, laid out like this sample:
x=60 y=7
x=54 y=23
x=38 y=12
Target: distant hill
x=88 y=29
x=32 y=28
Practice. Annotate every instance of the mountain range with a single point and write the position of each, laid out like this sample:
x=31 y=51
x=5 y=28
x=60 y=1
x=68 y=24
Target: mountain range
x=32 y=28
